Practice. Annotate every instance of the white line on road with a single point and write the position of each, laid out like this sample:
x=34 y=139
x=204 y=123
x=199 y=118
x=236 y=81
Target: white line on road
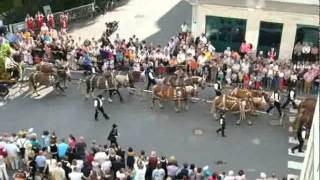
x=292 y=140
x=293 y=111
x=292 y=119
x=297 y=154
x=295 y=165
x=292 y=176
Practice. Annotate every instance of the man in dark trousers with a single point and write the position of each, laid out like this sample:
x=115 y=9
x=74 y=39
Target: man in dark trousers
x=301 y=135
x=98 y=105
x=113 y=135
x=217 y=88
x=291 y=98
x=222 y=123
x=151 y=78
x=276 y=102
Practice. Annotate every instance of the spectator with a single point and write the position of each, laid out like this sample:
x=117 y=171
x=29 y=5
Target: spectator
x=75 y=174
x=80 y=148
x=158 y=173
x=12 y=154
x=58 y=172
x=62 y=149
x=3 y=169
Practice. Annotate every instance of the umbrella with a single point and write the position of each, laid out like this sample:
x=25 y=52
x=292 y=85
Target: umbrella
x=11 y=37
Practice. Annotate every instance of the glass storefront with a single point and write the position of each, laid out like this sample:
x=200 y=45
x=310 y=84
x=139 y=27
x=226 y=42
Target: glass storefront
x=308 y=34
x=224 y=32
x=269 y=37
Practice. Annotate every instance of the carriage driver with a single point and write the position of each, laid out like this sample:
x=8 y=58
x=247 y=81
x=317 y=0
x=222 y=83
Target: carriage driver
x=291 y=98
x=276 y=103
x=217 y=88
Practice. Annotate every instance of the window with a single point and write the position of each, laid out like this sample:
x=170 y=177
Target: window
x=269 y=37
x=224 y=32
x=308 y=34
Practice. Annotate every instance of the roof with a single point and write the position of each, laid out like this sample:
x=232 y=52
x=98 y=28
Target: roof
x=267 y=5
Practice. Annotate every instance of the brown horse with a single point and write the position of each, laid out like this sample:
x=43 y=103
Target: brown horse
x=45 y=68
x=106 y=82
x=47 y=79
x=259 y=99
x=163 y=92
x=305 y=113
x=50 y=69
x=232 y=104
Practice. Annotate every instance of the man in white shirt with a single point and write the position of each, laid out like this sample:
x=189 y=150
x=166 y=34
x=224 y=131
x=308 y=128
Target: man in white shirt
x=151 y=78
x=75 y=174
x=203 y=39
x=276 y=102
x=98 y=105
x=291 y=98
x=106 y=166
x=12 y=150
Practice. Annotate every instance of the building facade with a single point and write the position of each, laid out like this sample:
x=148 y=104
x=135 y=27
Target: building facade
x=266 y=24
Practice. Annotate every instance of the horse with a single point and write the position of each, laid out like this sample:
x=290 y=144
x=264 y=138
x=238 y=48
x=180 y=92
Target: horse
x=48 y=68
x=232 y=104
x=254 y=96
x=164 y=92
x=106 y=81
x=305 y=113
x=40 y=78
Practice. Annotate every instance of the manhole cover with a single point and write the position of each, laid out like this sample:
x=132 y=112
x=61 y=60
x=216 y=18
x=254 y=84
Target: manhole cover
x=198 y=132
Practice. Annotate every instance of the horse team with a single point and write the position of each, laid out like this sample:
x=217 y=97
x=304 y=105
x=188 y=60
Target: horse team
x=177 y=88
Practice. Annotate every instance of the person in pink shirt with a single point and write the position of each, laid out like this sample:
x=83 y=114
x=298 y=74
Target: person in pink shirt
x=72 y=142
x=243 y=49
x=272 y=54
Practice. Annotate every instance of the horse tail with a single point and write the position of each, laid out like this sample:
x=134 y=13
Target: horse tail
x=88 y=85
x=213 y=105
x=32 y=81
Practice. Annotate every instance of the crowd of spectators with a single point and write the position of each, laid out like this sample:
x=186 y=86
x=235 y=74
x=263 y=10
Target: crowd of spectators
x=48 y=156
x=197 y=56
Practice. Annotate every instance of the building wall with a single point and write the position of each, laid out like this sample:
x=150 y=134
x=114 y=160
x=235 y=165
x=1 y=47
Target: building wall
x=313 y=2
x=253 y=17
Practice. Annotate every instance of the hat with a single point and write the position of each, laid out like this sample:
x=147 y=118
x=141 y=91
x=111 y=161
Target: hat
x=100 y=96
x=114 y=125
x=230 y=173
x=263 y=175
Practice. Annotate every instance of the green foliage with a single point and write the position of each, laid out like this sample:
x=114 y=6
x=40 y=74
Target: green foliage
x=17 y=14
x=4 y=52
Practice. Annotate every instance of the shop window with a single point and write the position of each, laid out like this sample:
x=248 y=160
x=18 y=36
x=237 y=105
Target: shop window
x=269 y=37
x=224 y=32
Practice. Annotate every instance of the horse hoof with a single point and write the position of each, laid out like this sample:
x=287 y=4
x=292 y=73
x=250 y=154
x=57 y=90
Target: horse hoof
x=250 y=123
x=65 y=87
x=161 y=107
x=238 y=123
x=151 y=107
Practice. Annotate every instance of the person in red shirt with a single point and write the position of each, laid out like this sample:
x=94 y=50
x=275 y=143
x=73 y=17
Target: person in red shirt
x=29 y=23
x=64 y=22
x=246 y=80
x=40 y=19
x=50 y=19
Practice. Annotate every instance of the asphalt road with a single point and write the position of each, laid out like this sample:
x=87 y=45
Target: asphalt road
x=256 y=148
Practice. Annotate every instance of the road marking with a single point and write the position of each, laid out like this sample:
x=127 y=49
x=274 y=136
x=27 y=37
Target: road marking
x=292 y=176
x=295 y=165
x=292 y=119
x=42 y=93
x=297 y=154
x=292 y=140
x=2 y=104
x=293 y=111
